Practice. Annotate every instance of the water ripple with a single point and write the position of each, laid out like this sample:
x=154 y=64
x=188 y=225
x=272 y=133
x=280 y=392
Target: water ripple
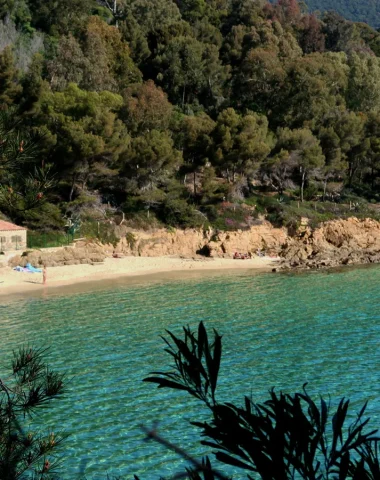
x=279 y=330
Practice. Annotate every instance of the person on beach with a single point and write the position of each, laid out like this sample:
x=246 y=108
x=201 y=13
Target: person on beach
x=44 y=275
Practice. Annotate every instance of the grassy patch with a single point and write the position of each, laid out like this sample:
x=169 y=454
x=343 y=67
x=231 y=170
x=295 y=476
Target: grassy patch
x=48 y=239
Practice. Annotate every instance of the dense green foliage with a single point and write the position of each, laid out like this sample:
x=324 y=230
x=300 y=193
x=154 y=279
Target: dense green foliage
x=25 y=454
x=357 y=10
x=286 y=437
x=165 y=110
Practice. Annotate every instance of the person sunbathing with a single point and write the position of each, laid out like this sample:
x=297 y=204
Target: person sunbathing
x=241 y=256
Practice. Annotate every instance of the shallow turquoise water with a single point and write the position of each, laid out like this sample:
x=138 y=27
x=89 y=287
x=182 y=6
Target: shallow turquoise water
x=279 y=330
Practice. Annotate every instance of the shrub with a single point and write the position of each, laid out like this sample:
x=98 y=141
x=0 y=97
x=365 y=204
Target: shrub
x=103 y=232
x=231 y=216
x=131 y=239
x=141 y=221
x=287 y=437
x=178 y=213
x=47 y=218
x=311 y=191
x=360 y=192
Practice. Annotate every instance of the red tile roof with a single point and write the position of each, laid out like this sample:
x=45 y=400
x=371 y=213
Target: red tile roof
x=9 y=226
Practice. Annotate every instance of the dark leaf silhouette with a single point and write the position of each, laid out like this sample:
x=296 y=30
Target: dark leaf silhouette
x=286 y=437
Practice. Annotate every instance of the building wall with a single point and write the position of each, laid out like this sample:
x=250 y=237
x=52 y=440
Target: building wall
x=12 y=240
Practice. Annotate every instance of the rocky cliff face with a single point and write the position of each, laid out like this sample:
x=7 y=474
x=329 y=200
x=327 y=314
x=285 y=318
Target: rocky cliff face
x=339 y=242
x=186 y=243
x=190 y=242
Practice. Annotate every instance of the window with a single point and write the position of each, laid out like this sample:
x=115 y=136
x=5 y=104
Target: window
x=3 y=239
x=16 y=239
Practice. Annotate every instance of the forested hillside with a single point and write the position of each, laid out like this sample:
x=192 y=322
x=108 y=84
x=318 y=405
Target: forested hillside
x=184 y=112
x=357 y=10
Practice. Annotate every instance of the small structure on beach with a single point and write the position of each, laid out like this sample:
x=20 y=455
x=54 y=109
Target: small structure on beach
x=12 y=237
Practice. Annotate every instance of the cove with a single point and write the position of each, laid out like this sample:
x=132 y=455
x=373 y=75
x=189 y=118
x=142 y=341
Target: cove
x=278 y=331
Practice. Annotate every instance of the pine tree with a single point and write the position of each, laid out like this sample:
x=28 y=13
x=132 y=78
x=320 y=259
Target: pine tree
x=23 y=183
x=10 y=87
x=31 y=385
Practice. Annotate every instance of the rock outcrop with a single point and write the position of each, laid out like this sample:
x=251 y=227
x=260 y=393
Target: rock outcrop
x=81 y=254
x=334 y=243
x=186 y=243
x=190 y=242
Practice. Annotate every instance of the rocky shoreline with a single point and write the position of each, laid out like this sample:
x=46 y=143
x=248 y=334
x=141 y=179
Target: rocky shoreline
x=332 y=244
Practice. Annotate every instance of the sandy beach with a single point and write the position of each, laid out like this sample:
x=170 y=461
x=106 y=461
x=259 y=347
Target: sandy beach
x=13 y=282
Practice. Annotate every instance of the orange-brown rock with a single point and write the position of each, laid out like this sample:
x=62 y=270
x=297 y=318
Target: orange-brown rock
x=89 y=253
x=338 y=242
x=190 y=242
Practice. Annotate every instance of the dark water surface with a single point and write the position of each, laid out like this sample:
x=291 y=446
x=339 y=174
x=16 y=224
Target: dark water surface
x=279 y=330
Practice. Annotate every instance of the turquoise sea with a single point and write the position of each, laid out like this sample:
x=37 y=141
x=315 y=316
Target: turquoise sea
x=279 y=330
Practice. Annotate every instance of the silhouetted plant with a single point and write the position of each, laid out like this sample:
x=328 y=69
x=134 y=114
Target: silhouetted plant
x=24 y=454
x=286 y=437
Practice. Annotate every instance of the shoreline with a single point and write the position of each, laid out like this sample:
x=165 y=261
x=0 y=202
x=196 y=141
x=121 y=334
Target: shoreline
x=13 y=283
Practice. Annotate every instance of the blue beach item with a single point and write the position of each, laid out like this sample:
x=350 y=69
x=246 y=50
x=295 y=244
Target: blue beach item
x=30 y=268
x=19 y=269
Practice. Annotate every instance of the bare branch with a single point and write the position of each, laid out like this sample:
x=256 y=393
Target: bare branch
x=153 y=435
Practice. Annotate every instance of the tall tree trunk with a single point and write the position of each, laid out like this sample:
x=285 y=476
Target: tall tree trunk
x=84 y=181
x=195 y=182
x=115 y=13
x=183 y=95
x=324 y=189
x=351 y=173
x=72 y=188
x=303 y=184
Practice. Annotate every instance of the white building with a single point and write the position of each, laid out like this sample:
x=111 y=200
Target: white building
x=12 y=237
